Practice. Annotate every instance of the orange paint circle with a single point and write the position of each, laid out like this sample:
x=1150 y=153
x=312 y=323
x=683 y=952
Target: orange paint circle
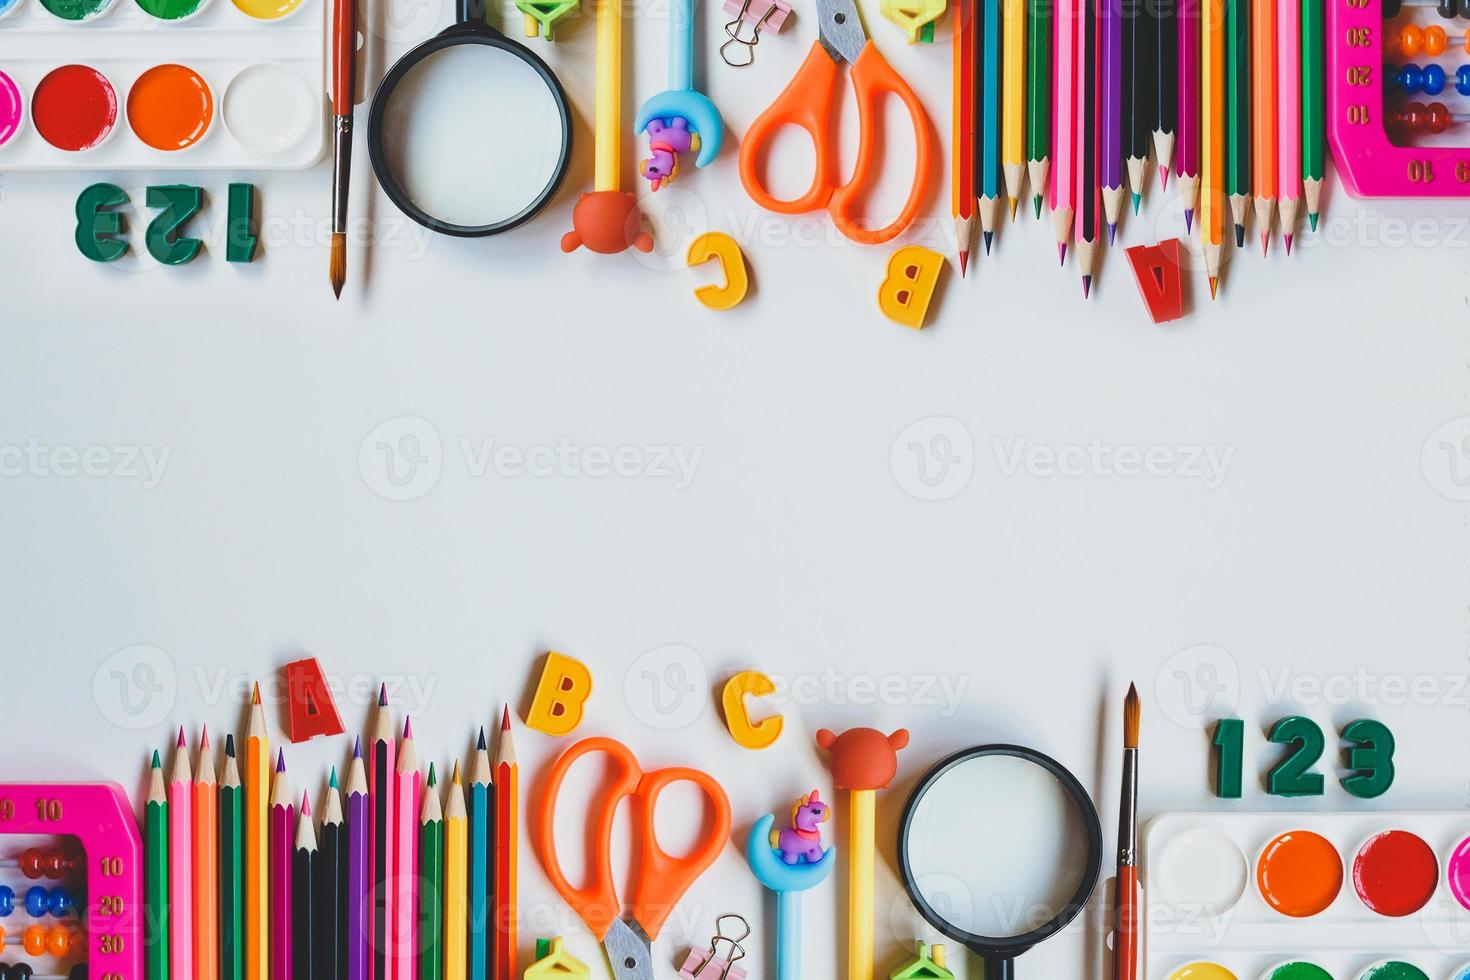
x=170 y=107
x=1299 y=873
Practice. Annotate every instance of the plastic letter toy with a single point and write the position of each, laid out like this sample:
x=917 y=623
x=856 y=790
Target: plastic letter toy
x=240 y=239
x=718 y=245
x=681 y=119
x=542 y=15
x=1156 y=269
x=751 y=734
x=109 y=869
x=555 y=963
x=564 y=688
x=789 y=862
x=313 y=712
x=913 y=272
x=98 y=225
x=928 y=965
x=178 y=203
x=863 y=761
x=916 y=18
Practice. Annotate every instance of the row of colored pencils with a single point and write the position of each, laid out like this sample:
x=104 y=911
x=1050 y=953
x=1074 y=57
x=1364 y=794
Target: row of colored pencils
x=399 y=885
x=1075 y=94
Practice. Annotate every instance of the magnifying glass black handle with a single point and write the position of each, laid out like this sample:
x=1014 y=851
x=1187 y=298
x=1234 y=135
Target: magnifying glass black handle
x=1000 y=968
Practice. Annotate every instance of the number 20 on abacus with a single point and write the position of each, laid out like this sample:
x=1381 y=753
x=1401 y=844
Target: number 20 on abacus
x=1370 y=749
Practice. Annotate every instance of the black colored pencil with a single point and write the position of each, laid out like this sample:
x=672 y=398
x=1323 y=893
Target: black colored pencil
x=331 y=889
x=1139 y=94
x=1166 y=81
x=303 y=906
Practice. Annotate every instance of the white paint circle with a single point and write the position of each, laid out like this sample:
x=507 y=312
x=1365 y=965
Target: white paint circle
x=1202 y=871
x=267 y=107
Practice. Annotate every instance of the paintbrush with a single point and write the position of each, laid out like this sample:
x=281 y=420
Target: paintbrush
x=344 y=56
x=1125 y=924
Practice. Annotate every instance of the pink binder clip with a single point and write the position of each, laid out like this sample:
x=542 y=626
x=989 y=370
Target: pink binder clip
x=707 y=964
x=760 y=15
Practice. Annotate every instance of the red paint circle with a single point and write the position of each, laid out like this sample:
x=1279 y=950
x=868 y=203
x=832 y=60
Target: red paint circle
x=1395 y=873
x=74 y=107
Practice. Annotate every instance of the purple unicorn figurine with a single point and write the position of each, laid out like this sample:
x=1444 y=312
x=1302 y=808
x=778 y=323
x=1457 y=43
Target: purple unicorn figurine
x=667 y=138
x=802 y=841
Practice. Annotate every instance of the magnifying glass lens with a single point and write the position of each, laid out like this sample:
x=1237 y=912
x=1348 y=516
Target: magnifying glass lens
x=998 y=847
x=472 y=135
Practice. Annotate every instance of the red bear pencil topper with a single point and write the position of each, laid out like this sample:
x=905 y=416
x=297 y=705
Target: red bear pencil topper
x=863 y=761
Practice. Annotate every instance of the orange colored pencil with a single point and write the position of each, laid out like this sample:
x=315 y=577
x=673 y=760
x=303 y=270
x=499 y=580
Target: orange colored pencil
x=507 y=840
x=206 y=866
x=1263 y=114
x=257 y=843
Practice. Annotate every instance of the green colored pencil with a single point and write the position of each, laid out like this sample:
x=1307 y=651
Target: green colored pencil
x=1238 y=111
x=1314 y=107
x=231 y=870
x=1038 y=96
x=431 y=888
x=156 y=942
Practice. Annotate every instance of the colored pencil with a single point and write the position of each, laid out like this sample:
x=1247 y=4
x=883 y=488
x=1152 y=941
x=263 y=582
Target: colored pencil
x=383 y=750
x=1314 y=107
x=1088 y=192
x=156 y=932
x=1064 y=124
x=1212 y=139
x=257 y=843
x=1289 y=128
x=231 y=869
x=407 y=795
x=962 y=172
x=1138 y=92
x=1038 y=97
x=330 y=889
x=431 y=894
x=359 y=868
x=1165 y=14
x=1264 y=115
x=282 y=837
x=303 y=897
x=1238 y=111
x=1187 y=150
x=1110 y=110
x=456 y=867
x=1013 y=95
x=206 y=866
x=507 y=841
x=482 y=805
x=181 y=862
x=989 y=179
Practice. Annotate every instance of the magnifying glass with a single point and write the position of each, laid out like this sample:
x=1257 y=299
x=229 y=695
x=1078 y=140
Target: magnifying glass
x=470 y=133
x=1000 y=849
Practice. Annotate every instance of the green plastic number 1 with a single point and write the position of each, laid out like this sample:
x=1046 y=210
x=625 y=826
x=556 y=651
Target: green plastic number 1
x=1229 y=745
x=1293 y=775
x=1370 y=758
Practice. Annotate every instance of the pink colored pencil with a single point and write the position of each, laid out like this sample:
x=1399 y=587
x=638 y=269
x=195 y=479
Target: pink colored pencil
x=181 y=862
x=283 y=851
x=407 y=803
x=1289 y=118
x=1186 y=147
x=1064 y=122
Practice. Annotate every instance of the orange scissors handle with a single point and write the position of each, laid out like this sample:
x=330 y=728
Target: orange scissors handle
x=873 y=78
x=659 y=879
x=807 y=102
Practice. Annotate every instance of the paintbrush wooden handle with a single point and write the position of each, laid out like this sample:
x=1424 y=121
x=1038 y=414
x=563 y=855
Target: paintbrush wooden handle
x=1125 y=935
x=344 y=55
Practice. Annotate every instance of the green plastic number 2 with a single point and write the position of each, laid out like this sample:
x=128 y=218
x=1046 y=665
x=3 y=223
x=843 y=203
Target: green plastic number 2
x=1229 y=745
x=98 y=225
x=1293 y=775
x=1370 y=758
x=178 y=203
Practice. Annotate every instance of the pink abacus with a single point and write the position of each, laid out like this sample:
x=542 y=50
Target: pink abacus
x=100 y=818
x=1361 y=127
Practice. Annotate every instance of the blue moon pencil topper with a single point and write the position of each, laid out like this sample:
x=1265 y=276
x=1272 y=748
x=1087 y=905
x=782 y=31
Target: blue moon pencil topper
x=789 y=862
x=681 y=119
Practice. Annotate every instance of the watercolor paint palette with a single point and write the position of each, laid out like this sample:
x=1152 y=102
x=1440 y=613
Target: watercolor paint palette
x=162 y=84
x=1307 y=896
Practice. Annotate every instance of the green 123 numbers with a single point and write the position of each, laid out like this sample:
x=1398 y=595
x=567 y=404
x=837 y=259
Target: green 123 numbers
x=1369 y=758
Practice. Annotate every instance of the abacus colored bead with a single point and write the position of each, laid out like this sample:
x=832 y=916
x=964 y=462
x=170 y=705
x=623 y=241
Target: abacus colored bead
x=1462 y=79
x=6 y=972
x=58 y=863
x=36 y=901
x=78 y=972
x=21 y=971
x=1446 y=8
x=58 y=942
x=32 y=862
x=60 y=903
x=1437 y=119
x=34 y=940
x=1410 y=78
x=7 y=900
x=1433 y=79
x=1435 y=40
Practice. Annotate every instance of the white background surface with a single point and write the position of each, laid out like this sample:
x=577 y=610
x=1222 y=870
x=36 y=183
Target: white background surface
x=1332 y=549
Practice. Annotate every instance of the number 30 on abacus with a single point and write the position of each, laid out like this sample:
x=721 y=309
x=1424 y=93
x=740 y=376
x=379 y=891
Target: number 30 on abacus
x=1369 y=751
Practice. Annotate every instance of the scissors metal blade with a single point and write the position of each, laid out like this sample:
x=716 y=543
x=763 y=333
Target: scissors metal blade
x=629 y=951
x=841 y=31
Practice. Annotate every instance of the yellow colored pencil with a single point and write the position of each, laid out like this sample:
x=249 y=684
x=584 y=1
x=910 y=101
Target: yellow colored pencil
x=456 y=863
x=1013 y=95
x=206 y=866
x=257 y=843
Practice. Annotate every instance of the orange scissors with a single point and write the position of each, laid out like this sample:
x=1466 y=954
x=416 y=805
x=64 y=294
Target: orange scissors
x=809 y=101
x=659 y=879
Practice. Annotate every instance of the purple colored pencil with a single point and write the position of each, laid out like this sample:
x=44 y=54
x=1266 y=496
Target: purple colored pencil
x=359 y=868
x=282 y=851
x=1186 y=151
x=1110 y=118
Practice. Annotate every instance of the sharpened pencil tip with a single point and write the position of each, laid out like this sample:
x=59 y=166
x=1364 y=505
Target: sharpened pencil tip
x=332 y=779
x=433 y=780
x=1164 y=178
x=1214 y=286
x=1137 y=202
x=230 y=744
x=964 y=262
x=407 y=726
x=989 y=237
x=204 y=738
x=1312 y=220
x=1086 y=286
x=157 y=762
x=1062 y=252
x=181 y=743
x=1240 y=236
x=305 y=804
x=1188 y=220
x=1287 y=239
x=1036 y=200
x=255 y=696
x=505 y=720
x=1112 y=231
x=357 y=747
x=1265 y=242
x=1014 y=202
x=280 y=760
x=383 y=694
x=480 y=743
x=454 y=777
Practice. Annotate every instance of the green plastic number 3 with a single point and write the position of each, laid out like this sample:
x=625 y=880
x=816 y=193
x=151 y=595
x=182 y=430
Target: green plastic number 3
x=99 y=225
x=1293 y=775
x=1370 y=758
